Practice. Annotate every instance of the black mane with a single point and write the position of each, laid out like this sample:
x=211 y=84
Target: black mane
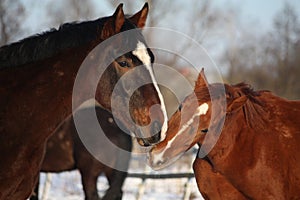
x=47 y=44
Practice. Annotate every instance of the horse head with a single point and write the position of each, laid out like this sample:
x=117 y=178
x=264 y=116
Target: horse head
x=190 y=123
x=128 y=83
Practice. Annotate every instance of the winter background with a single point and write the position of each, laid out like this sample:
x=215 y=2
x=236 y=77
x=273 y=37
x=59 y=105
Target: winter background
x=249 y=38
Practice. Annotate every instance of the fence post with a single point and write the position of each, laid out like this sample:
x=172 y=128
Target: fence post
x=47 y=185
x=141 y=189
x=187 y=191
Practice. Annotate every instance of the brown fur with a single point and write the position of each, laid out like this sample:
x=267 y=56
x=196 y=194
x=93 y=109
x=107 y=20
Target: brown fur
x=36 y=96
x=256 y=155
x=65 y=151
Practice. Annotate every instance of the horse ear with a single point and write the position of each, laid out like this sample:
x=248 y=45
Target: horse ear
x=114 y=24
x=139 y=19
x=237 y=103
x=119 y=18
x=201 y=80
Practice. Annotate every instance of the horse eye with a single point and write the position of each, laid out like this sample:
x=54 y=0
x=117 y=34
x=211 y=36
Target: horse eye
x=180 y=107
x=123 y=64
x=204 y=130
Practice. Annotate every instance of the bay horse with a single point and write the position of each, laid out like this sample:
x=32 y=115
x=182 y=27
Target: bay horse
x=37 y=75
x=65 y=151
x=257 y=137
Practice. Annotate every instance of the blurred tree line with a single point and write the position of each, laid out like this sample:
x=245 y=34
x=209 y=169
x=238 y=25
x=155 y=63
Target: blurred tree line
x=268 y=61
x=9 y=23
x=271 y=61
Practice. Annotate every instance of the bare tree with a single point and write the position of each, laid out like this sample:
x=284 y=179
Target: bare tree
x=69 y=10
x=271 y=61
x=11 y=13
x=286 y=35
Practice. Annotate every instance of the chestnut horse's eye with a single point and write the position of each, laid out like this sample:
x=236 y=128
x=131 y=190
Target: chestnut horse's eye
x=180 y=107
x=123 y=64
x=204 y=130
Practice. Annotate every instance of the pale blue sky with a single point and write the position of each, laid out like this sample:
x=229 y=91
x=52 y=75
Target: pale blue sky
x=254 y=17
x=255 y=11
x=261 y=11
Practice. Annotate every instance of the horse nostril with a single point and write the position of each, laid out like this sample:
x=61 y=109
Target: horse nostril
x=146 y=143
x=143 y=142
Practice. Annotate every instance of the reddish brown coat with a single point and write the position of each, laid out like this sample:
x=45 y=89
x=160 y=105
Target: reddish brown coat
x=257 y=154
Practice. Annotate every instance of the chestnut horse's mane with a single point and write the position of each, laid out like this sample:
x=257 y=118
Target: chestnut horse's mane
x=253 y=108
x=50 y=43
x=244 y=89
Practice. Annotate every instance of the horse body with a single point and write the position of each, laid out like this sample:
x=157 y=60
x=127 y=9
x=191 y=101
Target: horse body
x=258 y=160
x=65 y=151
x=21 y=123
x=37 y=76
x=255 y=154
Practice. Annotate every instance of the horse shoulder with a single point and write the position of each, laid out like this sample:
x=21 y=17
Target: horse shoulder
x=212 y=184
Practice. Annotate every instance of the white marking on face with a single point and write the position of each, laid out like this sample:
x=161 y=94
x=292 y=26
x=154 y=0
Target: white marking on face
x=201 y=110
x=142 y=54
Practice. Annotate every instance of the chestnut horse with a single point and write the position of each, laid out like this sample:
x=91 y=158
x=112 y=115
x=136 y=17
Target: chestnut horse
x=37 y=76
x=255 y=156
x=65 y=151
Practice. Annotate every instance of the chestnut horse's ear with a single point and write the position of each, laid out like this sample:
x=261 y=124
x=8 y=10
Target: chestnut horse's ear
x=139 y=19
x=114 y=24
x=201 y=80
x=237 y=103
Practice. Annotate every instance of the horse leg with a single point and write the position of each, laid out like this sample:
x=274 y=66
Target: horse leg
x=89 y=183
x=35 y=195
x=116 y=179
x=213 y=185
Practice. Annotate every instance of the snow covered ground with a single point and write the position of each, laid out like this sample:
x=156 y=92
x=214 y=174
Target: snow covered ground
x=67 y=185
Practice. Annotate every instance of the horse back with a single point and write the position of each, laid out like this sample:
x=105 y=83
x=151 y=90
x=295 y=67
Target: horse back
x=276 y=147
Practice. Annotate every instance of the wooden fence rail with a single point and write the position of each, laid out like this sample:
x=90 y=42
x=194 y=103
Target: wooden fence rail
x=160 y=176
x=187 y=185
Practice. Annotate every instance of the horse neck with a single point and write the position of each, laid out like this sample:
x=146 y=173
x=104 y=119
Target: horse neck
x=235 y=128
x=46 y=84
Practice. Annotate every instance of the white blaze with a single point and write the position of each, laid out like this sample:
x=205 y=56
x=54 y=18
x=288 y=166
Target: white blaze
x=142 y=54
x=201 y=110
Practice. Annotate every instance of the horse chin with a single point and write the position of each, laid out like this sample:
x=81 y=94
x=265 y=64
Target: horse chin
x=161 y=164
